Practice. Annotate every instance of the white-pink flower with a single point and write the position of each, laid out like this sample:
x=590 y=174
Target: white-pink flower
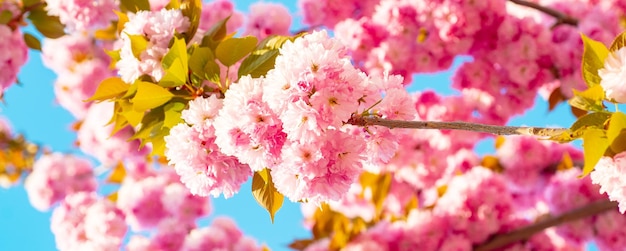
x=55 y=176
x=13 y=54
x=80 y=15
x=614 y=75
x=610 y=174
x=158 y=28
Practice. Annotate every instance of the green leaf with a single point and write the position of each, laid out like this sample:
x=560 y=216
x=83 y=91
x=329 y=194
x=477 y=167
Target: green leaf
x=232 y=50
x=119 y=121
x=616 y=124
x=135 y=5
x=202 y=64
x=172 y=113
x=5 y=16
x=114 y=55
x=265 y=193
x=133 y=117
x=158 y=141
x=175 y=65
x=122 y=19
x=109 y=88
x=596 y=119
x=49 y=26
x=150 y=96
x=588 y=100
x=258 y=63
x=28 y=3
x=619 y=42
x=138 y=44
x=595 y=144
x=594 y=54
x=215 y=34
x=153 y=119
x=32 y=42
x=178 y=50
x=192 y=9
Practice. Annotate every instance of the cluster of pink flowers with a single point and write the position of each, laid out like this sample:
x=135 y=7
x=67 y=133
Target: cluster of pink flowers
x=267 y=19
x=94 y=137
x=13 y=54
x=614 y=75
x=222 y=234
x=56 y=176
x=81 y=15
x=84 y=221
x=609 y=174
x=80 y=66
x=157 y=28
x=292 y=122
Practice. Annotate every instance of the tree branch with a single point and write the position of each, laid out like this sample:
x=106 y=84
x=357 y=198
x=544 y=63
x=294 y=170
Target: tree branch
x=526 y=232
x=464 y=126
x=561 y=17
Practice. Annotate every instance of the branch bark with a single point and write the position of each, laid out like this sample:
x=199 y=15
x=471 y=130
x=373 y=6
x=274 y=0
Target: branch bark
x=464 y=126
x=526 y=232
x=561 y=17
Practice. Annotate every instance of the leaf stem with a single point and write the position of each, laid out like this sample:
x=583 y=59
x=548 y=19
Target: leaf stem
x=561 y=17
x=526 y=232
x=464 y=126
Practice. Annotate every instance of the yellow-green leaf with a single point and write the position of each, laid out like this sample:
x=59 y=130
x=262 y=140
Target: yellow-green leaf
x=595 y=144
x=619 y=42
x=32 y=42
x=199 y=58
x=119 y=121
x=173 y=112
x=265 y=193
x=616 y=124
x=5 y=16
x=138 y=44
x=149 y=96
x=114 y=55
x=192 y=9
x=122 y=19
x=133 y=117
x=217 y=32
x=173 y=5
x=175 y=75
x=108 y=33
x=596 y=119
x=109 y=88
x=135 y=5
x=231 y=50
x=258 y=63
x=178 y=50
x=49 y=26
x=118 y=174
x=588 y=100
x=594 y=53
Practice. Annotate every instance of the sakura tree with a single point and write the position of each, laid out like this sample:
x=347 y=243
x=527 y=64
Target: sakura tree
x=179 y=101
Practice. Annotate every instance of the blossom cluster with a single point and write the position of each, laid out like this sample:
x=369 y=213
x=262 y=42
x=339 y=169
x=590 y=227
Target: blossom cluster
x=291 y=121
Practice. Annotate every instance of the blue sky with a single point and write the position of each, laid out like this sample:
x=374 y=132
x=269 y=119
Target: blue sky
x=32 y=111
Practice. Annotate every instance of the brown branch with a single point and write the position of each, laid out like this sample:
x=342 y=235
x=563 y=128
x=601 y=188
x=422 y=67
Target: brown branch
x=464 y=126
x=561 y=17
x=526 y=232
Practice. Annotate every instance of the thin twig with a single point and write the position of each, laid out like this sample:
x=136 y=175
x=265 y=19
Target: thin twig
x=464 y=126
x=561 y=17
x=524 y=233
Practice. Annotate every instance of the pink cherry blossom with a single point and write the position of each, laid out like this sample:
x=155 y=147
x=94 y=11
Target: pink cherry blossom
x=609 y=174
x=266 y=19
x=157 y=27
x=56 y=176
x=13 y=54
x=85 y=222
x=613 y=75
x=222 y=234
x=80 y=15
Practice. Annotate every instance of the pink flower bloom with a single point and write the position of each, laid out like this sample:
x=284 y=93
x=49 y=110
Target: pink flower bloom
x=202 y=167
x=94 y=137
x=222 y=234
x=609 y=230
x=614 y=75
x=247 y=128
x=610 y=174
x=158 y=28
x=151 y=200
x=266 y=19
x=80 y=15
x=477 y=202
x=72 y=89
x=217 y=10
x=13 y=54
x=85 y=222
x=55 y=176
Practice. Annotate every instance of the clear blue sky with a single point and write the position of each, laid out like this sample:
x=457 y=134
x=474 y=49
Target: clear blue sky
x=32 y=111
